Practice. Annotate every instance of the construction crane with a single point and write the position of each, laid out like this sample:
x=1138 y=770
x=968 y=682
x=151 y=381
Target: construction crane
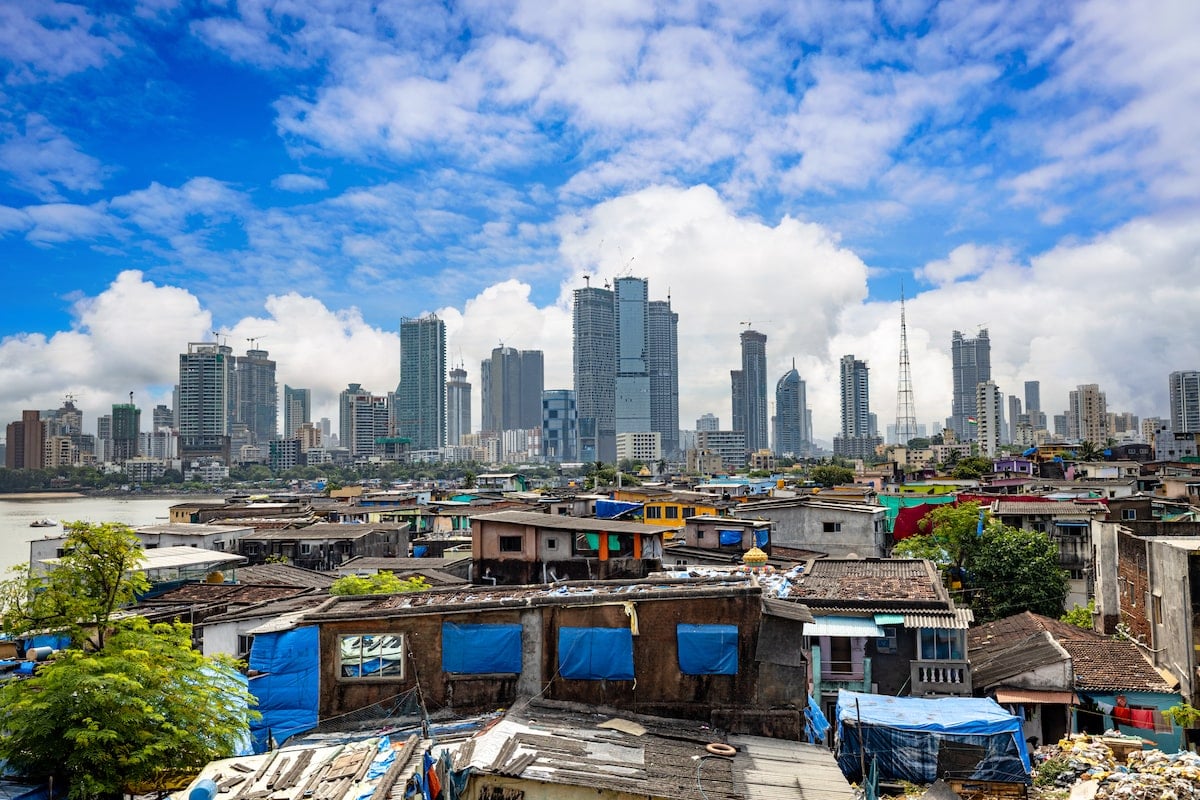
x=254 y=340
x=221 y=337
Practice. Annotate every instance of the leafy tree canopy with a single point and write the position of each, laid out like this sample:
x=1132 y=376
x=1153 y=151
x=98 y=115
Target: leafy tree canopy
x=143 y=709
x=949 y=536
x=95 y=576
x=1081 y=616
x=1016 y=570
x=972 y=467
x=831 y=475
x=379 y=583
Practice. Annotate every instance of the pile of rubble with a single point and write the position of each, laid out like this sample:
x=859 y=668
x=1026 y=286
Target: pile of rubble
x=1089 y=766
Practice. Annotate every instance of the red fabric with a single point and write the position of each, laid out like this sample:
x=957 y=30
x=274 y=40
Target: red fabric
x=908 y=519
x=1122 y=714
x=1143 y=718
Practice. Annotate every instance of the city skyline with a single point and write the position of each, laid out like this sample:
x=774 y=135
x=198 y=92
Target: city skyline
x=170 y=173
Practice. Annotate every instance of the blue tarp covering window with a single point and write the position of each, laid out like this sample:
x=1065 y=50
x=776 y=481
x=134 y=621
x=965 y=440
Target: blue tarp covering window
x=480 y=649
x=730 y=538
x=905 y=735
x=762 y=537
x=595 y=654
x=707 y=649
x=287 y=692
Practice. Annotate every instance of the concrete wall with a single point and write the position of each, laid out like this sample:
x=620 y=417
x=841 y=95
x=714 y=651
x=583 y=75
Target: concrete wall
x=802 y=526
x=1171 y=634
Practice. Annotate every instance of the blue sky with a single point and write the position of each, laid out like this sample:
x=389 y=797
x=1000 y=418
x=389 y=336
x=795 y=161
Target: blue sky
x=309 y=172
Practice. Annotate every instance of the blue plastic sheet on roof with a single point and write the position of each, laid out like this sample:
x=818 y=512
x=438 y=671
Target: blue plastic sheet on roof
x=595 y=654
x=707 y=649
x=611 y=509
x=905 y=735
x=1030 y=451
x=480 y=649
x=288 y=691
x=728 y=538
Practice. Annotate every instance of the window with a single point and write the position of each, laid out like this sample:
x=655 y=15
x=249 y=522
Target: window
x=689 y=511
x=841 y=660
x=510 y=544
x=699 y=535
x=672 y=512
x=654 y=512
x=886 y=644
x=831 y=527
x=1156 y=606
x=305 y=549
x=587 y=544
x=372 y=655
x=1129 y=513
x=552 y=543
x=940 y=644
x=244 y=642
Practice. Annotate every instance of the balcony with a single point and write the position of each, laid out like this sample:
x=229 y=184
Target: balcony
x=940 y=678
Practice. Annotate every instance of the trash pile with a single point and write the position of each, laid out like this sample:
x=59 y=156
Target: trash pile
x=1141 y=775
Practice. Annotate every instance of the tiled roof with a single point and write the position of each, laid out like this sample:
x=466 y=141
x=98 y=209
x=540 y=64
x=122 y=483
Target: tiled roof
x=1100 y=662
x=869 y=580
x=1051 y=508
x=283 y=575
x=228 y=593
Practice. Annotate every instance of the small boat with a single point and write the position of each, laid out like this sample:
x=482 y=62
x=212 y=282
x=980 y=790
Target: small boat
x=45 y=522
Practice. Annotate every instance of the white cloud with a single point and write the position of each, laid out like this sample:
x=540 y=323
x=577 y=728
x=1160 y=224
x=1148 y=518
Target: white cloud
x=294 y=182
x=44 y=161
x=45 y=38
x=964 y=261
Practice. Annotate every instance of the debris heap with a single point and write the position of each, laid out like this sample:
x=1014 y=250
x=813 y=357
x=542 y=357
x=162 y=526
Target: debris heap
x=1141 y=775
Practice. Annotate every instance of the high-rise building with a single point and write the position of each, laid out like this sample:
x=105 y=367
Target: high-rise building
x=104 y=437
x=512 y=383
x=364 y=419
x=1184 y=388
x=126 y=426
x=26 y=440
x=257 y=396
x=856 y=439
x=1033 y=396
x=595 y=368
x=791 y=415
x=421 y=393
x=663 y=361
x=560 y=426
x=162 y=417
x=458 y=406
x=989 y=417
x=749 y=391
x=708 y=422
x=1087 y=415
x=971 y=362
x=631 y=296
x=297 y=409
x=1014 y=417
x=206 y=400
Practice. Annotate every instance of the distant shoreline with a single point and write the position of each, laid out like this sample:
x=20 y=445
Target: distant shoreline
x=41 y=495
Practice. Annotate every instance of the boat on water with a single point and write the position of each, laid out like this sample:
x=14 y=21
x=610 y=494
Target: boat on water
x=45 y=522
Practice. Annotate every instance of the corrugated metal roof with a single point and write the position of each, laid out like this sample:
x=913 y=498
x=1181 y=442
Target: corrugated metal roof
x=765 y=769
x=959 y=620
x=588 y=524
x=843 y=626
x=787 y=610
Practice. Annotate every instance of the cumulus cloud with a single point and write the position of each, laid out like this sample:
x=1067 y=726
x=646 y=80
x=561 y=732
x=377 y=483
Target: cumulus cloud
x=294 y=182
x=964 y=261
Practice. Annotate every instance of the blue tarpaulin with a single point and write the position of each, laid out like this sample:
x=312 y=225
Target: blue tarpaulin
x=707 y=649
x=287 y=691
x=480 y=649
x=595 y=654
x=730 y=538
x=910 y=735
x=611 y=509
x=762 y=537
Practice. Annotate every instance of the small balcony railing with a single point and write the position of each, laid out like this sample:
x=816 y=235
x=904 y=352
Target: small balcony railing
x=940 y=677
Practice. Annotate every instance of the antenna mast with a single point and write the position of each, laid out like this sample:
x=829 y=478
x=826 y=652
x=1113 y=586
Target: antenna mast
x=906 y=415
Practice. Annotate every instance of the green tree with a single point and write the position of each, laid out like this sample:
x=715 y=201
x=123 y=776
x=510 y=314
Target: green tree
x=949 y=536
x=380 y=583
x=1081 y=616
x=970 y=468
x=831 y=475
x=1016 y=570
x=142 y=710
x=1089 y=451
x=96 y=575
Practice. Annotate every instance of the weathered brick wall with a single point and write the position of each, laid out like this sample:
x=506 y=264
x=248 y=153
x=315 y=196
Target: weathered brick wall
x=1133 y=585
